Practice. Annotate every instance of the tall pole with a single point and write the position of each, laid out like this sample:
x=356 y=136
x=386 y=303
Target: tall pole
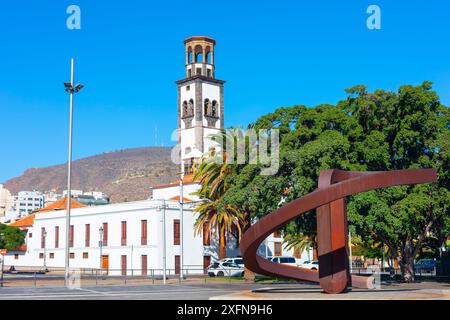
x=101 y=246
x=350 y=249
x=164 y=239
x=45 y=250
x=1 y=271
x=181 y=224
x=69 y=174
x=131 y=258
x=267 y=247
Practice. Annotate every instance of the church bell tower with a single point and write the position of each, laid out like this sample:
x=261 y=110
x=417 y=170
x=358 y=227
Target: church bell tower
x=200 y=101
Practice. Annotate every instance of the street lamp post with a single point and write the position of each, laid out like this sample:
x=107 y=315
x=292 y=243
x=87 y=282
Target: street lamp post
x=164 y=239
x=350 y=249
x=44 y=235
x=100 y=243
x=2 y=260
x=70 y=88
x=181 y=226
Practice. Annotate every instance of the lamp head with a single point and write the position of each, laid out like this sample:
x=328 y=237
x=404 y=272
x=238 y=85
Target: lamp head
x=78 y=87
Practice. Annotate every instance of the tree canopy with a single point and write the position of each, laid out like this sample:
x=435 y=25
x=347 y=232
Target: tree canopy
x=10 y=237
x=368 y=131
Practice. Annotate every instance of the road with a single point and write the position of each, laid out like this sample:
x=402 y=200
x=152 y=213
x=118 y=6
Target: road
x=128 y=292
x=224 y=291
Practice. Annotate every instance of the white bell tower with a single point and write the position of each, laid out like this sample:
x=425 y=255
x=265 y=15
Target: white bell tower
x=200 y=101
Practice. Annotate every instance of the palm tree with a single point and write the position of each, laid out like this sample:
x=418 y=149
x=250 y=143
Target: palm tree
x=220 y=218
x=214 y=216
x=300 y=242
x=212 y=173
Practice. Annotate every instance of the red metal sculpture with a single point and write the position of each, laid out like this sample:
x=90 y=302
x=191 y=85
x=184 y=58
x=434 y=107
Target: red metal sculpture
x=329 y=200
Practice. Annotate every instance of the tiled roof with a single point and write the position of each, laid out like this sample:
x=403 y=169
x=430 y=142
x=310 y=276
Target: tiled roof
x=187 y=179
x=22 y=247
x=24 y=222
x=62 y=205
x=177 y=198
x=28 y=221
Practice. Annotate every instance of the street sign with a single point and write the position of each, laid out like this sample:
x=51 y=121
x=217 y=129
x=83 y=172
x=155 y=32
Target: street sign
x=3 y=252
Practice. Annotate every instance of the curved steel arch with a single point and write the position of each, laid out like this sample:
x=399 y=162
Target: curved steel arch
x=329 y=200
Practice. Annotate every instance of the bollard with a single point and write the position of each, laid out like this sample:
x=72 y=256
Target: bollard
x=35 y=278
x=96 y=277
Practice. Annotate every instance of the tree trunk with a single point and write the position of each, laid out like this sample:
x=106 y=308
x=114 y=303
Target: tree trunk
x=315 y=254
x=222 y=244
x=248 y=274
x=407 y=268
x=406 y=260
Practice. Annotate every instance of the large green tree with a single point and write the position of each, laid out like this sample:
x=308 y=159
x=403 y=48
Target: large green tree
x=381 y=130
x=10 y=237
x=408 y=129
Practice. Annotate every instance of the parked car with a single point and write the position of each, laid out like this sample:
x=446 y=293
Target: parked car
x=238 y=260
x=313 y=265
x=425 y=265
x=228 y=269
x=285 y=260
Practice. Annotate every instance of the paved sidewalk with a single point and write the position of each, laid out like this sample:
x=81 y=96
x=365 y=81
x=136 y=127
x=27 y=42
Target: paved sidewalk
x=193 y=291
x=397 y=291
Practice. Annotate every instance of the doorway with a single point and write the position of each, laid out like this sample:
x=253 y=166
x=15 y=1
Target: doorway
x=177 y=264
x=124 y=265
x=105 y=263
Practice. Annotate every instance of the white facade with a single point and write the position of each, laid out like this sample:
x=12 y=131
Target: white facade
x=194 y=125
x=10 y=215
x=51 y=197
x=171 y=191
x=28 y=201
x=86 y=255
x=85 y=252
x=200 y=102
x=6 y=201
x=73 y=193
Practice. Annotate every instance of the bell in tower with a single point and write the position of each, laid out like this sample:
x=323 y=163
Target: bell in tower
x=200 y=100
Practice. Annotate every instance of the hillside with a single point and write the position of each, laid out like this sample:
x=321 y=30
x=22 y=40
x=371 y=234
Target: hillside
x=124 y=175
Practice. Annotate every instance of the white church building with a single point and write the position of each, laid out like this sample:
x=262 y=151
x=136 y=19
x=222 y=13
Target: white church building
x=146 y=236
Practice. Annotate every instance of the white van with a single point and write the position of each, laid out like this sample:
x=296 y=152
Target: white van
x=238 y=260
x=289 y=260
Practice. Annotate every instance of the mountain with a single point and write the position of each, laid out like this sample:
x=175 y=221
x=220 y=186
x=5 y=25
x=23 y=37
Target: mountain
x=124 y=175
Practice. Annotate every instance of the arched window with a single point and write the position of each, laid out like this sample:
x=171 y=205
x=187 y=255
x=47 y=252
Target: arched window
x=185 y=109
x=208 y=56
x=191 y=108
x=214 y=108
x=198 y=52
x=189 y=55
x=207 y=106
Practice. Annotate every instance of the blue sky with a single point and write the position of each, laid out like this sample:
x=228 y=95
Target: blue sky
x=129 y=53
